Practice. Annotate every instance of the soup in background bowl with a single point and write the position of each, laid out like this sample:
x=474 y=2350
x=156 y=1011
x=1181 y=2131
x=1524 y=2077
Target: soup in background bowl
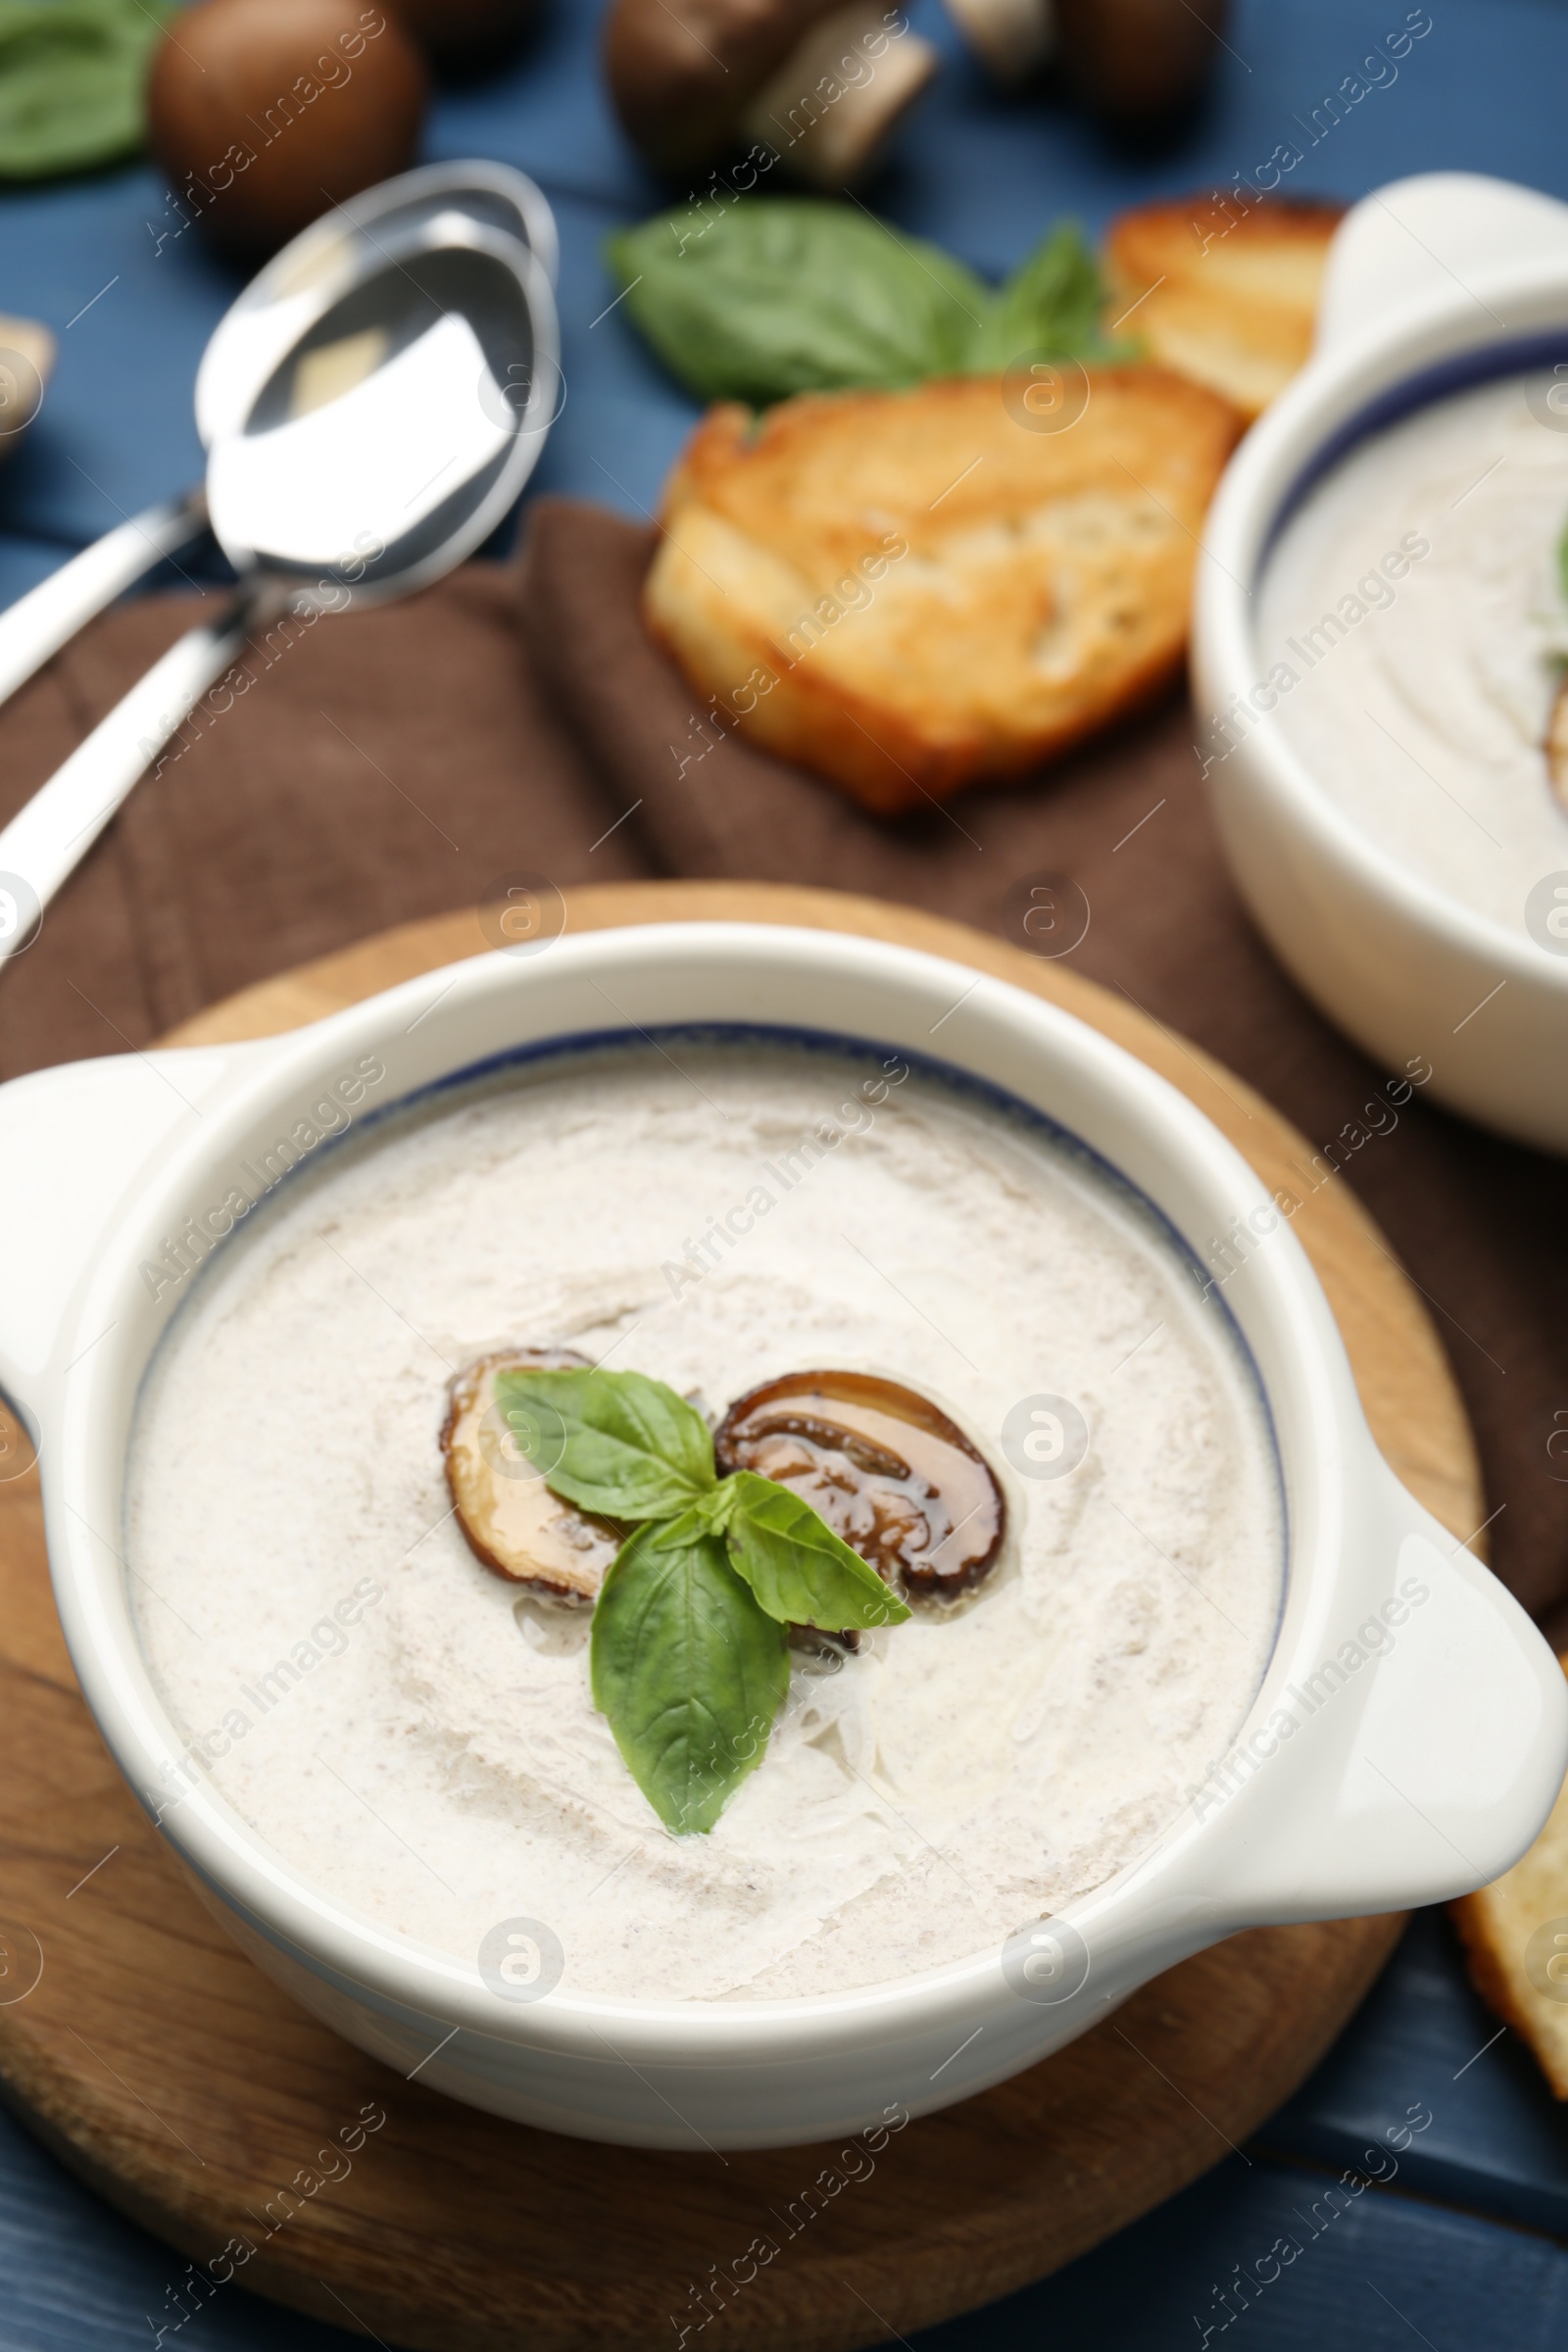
x=1380 y=634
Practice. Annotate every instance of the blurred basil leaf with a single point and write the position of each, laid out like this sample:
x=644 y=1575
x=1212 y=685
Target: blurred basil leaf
x=1049 y=306
x=71 y=80
x=802 y=294
x=794 y=294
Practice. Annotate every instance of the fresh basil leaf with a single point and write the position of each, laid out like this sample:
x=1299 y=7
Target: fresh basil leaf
x=688 y=1669
x=800 y=1572
x=794 y=294
x=712 y=1511
x=615 y=1443
x=1051 y=306
x=71 y=77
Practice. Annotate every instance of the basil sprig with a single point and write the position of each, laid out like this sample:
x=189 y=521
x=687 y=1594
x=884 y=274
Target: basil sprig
x=689 y=1655
x=1049 y=308
x=802 y=294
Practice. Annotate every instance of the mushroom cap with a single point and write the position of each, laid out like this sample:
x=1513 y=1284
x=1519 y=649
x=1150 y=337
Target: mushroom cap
x=884 y=1466
x=265 y=91
x=505 y=1510
x=682 y=72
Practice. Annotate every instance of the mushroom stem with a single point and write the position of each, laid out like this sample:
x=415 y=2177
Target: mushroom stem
x=832 y=105
x=1011 y=37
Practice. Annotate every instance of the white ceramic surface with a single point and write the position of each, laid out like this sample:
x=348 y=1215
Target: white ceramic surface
x=1421 y=1773
x=1445 y=275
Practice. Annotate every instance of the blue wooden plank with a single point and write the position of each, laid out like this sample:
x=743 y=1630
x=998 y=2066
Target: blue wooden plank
x=1292 y=2262
x=75 y=2277
x=1498 y=2140
x=981 y=173
x=625 y=420
x=548 y=113
x=978 y=172
x=23 y=563
x=116 y=430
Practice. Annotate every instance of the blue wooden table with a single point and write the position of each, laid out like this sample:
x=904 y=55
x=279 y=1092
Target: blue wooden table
x=1462 y=2244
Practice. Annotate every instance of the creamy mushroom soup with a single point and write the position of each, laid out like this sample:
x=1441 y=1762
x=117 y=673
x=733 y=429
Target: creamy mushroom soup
x=416 y=1734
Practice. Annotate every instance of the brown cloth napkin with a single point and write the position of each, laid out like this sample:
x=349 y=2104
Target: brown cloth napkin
x=394 y=764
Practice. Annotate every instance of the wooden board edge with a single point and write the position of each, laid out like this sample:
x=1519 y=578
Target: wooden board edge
x=1009 y=2254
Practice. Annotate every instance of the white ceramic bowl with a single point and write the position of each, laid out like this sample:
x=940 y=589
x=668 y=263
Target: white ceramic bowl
x=1419 y=1773
x=1433 y=283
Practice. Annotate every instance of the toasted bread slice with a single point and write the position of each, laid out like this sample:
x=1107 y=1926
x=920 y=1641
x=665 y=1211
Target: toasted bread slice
x=1223 y=292
x=911 y=590
x=1516 y=1940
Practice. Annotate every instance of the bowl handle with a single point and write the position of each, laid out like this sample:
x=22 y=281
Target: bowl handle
x=1417 y=1756
x=1439 y=233
x=72 y=1142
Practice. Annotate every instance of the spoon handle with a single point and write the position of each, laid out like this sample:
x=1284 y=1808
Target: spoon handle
x=41 y=622
x=53 y=832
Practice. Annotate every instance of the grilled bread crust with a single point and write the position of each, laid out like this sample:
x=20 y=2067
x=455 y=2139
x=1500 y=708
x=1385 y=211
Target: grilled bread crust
x=909 y=591
x=1223 y=293
x=1496 y=1927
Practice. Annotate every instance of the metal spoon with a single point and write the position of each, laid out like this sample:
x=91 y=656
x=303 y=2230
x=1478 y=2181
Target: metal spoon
x=247 y=343
x=384 y=445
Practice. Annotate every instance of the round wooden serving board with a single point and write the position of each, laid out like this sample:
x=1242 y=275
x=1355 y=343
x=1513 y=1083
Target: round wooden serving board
x=156 y=2061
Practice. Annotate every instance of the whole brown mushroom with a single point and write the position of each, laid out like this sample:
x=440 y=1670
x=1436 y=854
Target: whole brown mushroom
x=819 y=84
x=1137 y=63
x=464 y=35
x=265 y=113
